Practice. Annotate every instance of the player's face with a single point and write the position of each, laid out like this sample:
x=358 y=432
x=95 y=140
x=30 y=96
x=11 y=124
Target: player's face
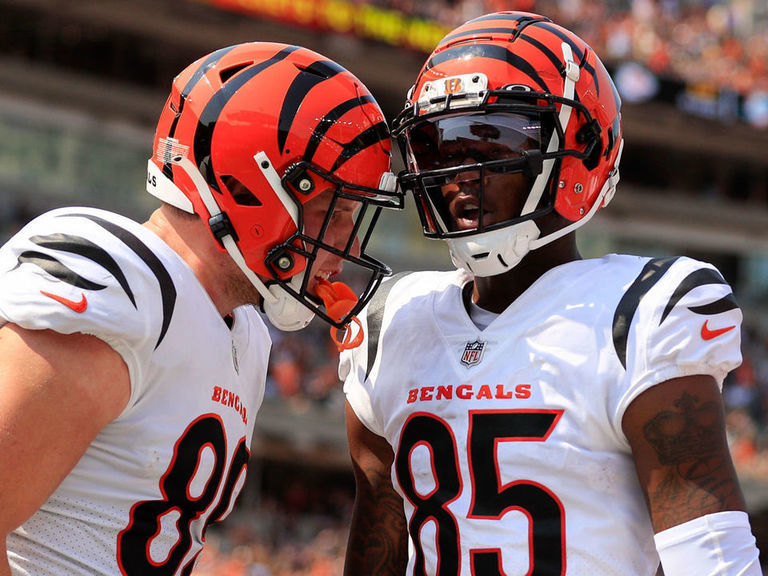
x=454 y=148
x=337 y=234
x=503 y=195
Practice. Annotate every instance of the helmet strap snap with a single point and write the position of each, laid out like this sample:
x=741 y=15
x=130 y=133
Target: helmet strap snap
x=221 y=226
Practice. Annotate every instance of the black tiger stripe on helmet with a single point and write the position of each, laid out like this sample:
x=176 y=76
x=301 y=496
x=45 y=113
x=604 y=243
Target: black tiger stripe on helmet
x=522 y=20
x=207 y=62
x=210 y=115
x=492 y=51
x=327 y=121
x=477 y=49
x=307 y=78
x=299 y=89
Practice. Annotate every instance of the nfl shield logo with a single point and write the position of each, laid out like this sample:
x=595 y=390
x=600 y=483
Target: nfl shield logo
x=473 y=353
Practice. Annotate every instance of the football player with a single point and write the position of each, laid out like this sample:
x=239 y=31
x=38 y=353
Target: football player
x=133 y=360
x=534 y=412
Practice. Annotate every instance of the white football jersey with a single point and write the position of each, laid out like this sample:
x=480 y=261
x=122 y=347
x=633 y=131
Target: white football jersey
x=174 y=461
x=509 y=451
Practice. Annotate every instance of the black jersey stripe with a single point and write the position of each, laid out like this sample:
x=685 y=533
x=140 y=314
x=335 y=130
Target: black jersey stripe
x=651 y=273
x=479 y=50
x=57 y=269
x=210 y=114
x=307 y=79
x=373 y=135
x=167 y=287
x=724 y=304
x=87 y=249
x=375 y=317
x=328 y=120
x=700 y=277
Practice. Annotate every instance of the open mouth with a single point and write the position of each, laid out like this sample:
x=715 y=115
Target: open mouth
x=320 y=277
x=466 y=212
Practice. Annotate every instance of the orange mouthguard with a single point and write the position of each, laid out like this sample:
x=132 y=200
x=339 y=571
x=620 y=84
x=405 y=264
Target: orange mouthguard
x=339 y=299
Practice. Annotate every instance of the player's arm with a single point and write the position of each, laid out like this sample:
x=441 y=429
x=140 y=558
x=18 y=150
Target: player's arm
x=677 y=433
x=56 y=393
x=378 y=543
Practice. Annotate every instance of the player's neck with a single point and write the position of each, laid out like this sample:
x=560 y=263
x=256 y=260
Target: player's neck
x=188 y=237
x=496 y=293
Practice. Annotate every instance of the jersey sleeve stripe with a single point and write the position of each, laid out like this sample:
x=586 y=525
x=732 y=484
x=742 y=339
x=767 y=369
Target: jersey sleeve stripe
x=58 y=270
x=87 y=249
x=725 y=304
x=167 y=287
x=651 y=273
x=700 y=277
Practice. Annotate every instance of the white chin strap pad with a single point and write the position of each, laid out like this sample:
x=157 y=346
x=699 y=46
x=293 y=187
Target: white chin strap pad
x=284 y=311
x=494 y=252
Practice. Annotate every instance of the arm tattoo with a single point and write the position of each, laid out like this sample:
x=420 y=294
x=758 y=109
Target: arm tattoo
x=378 y=539
x=690 y=444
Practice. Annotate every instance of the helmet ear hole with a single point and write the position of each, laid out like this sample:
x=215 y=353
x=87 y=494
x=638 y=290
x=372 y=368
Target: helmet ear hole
x=591 y=161
x=240 y=193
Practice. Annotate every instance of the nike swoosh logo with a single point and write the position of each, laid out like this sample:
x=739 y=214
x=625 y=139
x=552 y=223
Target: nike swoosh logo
x=78 y=307
x=708 y=334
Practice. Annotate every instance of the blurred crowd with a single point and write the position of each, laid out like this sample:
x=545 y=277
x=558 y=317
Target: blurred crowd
x=746 y=399
x=303 y=536
x=719 y=44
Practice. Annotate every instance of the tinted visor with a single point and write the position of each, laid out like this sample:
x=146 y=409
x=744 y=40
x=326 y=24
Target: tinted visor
x=472 y=155
x=468 y=139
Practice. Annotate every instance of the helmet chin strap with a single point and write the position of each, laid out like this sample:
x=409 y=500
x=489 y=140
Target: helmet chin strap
x=282 y=309
x=481 y=254
x=337 y=297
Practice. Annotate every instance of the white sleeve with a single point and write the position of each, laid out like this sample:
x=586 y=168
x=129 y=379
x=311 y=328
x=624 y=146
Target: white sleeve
x=687 y=324
x=68 y=275
x=718 y=544
x=353 y=371
x=357 y=365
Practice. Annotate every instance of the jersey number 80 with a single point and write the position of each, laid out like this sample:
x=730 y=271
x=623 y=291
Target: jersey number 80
x=133 y=544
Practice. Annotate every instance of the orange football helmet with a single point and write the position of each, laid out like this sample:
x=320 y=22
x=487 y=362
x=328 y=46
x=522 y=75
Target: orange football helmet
x=528 y=86
x=251 y=133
